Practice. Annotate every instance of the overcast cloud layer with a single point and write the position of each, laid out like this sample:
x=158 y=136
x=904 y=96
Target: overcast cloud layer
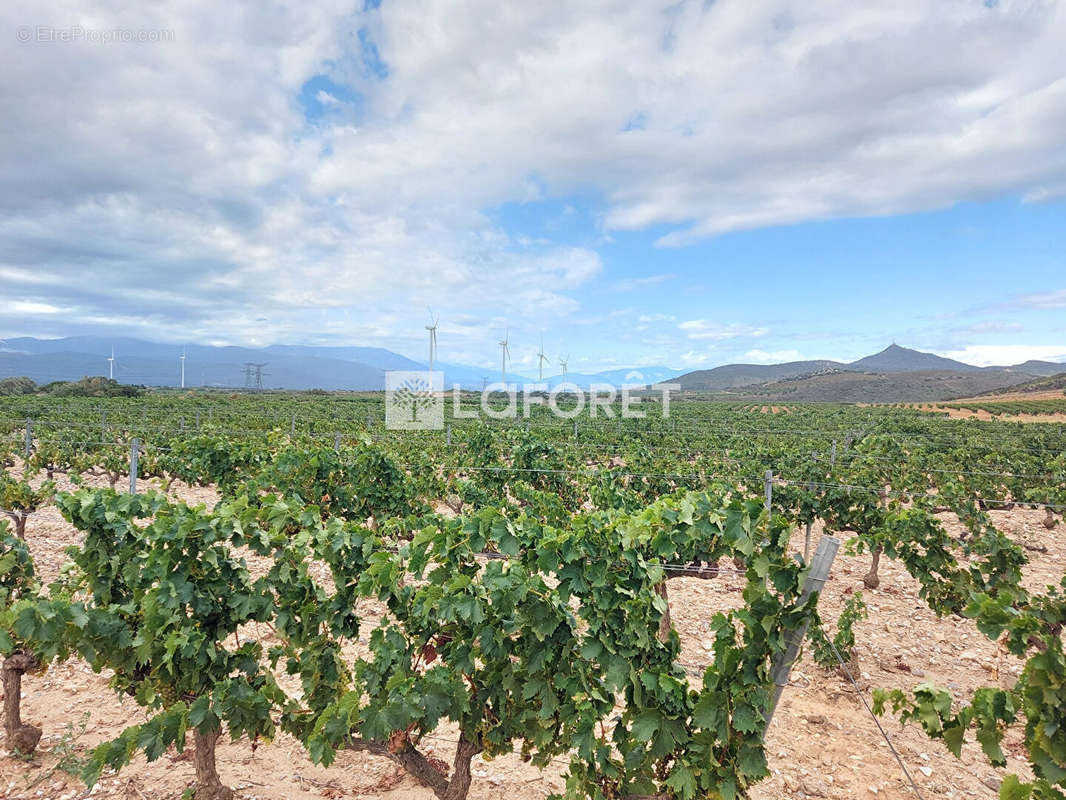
x=196 y=189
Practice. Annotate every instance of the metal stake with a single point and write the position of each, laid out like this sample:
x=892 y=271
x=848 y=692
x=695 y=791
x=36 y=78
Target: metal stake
x=134 y=452
x=816 y=578
x=769 y=487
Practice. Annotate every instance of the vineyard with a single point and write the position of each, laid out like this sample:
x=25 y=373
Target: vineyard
x=1011 y=407
x=278 y=594
x=1050 y=406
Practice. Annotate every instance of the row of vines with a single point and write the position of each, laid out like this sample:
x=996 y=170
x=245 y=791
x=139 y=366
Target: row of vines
x=522 y=569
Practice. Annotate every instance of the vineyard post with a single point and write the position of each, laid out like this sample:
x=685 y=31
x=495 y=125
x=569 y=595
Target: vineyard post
x=768 y=485
x=833 y=454
x=134 y=452
x=197 y=419
x=807 y=533
x=29 y=437
x=575 y=428
x=816 y=578
x=103 y=424
x=368 y=422
x=181 y=424
x=448 y=435
x=292 y=426
x=527 y=426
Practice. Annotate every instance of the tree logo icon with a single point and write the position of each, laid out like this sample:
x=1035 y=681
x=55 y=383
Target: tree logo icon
x=414 y=401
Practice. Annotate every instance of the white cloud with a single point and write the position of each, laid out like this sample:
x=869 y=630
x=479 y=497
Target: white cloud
x=717 y=331
x=30 y=307
x=986 y=355
x=750 y=115
x=629 y=284
x=990 y=326
x=645 y=322
x=176 y=189
x=1055 y=299
x=694 y=358
x=770 y=357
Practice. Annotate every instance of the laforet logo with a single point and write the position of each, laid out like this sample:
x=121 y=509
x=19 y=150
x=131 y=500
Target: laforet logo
x=414 y=400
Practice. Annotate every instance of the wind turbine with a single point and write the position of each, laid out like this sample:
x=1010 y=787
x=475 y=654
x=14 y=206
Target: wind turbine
x=541 y=358
x=562 y=363
x=505 y=354
x=432 y=338
x=181 y=358
x=111 y=364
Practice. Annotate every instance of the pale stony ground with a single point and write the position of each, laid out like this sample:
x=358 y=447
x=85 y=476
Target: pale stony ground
x=822 y=742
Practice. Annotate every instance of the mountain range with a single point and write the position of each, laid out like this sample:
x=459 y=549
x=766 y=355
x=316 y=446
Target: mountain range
x=894 y=374
x=285 y=366
x=893 y=359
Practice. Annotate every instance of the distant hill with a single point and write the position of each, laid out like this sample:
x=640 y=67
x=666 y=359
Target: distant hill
x=892 y=359
x=631 y=376
x=286 y=366
x=1044 y=369
x=902 y=359
x=223 y=369
x=1049 y=384
x=734 y=375
x=377 y=357
x=846 y=386
x=896 y=374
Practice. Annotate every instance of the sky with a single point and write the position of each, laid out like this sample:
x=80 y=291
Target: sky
x=681 y=184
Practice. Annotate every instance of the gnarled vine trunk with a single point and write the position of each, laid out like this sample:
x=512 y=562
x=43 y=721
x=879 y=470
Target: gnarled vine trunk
x=208 y=785
x=20 y=737
x=19 y=518
x=870 y=580
x=459 y=783
x=1049 y=518
x=432 y=776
